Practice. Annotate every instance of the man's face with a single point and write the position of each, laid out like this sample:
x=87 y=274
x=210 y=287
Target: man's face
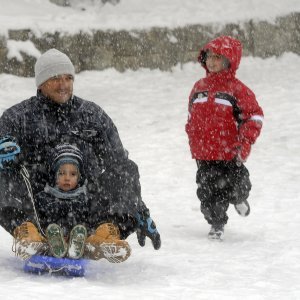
x=58 y=88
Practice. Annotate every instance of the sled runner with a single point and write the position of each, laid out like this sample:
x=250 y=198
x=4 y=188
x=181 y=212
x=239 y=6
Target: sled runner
x=40 y=264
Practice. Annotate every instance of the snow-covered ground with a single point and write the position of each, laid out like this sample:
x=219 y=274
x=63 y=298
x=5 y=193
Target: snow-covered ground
x=260 y=257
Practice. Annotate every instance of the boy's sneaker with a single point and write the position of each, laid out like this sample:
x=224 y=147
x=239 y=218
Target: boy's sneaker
x=56 y=240
x=77 y=241
x=216 y=232
x=243 y=208
x=28 y=241
x=106 y=243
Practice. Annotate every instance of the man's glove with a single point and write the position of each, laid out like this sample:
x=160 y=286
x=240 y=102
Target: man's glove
x=146 y=227
x=8 y=151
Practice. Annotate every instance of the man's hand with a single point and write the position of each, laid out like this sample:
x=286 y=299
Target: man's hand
x=9 y=149
x=146 y=227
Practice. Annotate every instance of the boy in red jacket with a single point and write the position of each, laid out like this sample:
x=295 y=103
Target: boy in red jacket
x=224 y=121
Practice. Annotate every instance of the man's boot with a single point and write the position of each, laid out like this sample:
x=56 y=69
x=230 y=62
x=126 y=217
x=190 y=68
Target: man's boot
x=28 y=241
x=106 y=243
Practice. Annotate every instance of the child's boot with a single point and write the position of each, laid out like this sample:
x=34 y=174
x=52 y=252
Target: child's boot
x=106 y=243
x=243 y=208
x=56 y=241
x=28 y=241
x=216 y=232
x=77 y=241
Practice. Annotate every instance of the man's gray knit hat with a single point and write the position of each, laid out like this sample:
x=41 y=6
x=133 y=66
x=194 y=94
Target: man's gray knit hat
x=50 y=64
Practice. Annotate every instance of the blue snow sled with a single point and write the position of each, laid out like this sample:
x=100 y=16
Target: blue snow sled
x=40 y=264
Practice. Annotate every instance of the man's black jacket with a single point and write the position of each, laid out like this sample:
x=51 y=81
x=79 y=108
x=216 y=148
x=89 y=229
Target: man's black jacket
x=38 y=125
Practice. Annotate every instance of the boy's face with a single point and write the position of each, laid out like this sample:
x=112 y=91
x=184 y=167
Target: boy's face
x=58 y=88
x=67 y=177
x=214 y=62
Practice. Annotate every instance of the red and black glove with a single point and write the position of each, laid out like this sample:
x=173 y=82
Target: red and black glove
x=242 y=150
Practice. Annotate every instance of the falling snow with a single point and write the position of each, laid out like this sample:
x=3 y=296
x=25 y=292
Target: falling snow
x=259 y=257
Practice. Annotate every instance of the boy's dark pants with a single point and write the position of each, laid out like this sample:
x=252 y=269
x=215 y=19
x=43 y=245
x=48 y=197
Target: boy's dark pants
x=221 y=183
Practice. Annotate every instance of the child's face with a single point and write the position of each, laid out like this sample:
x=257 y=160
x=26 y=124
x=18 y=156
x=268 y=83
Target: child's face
x=67 y=177
x=214 y=62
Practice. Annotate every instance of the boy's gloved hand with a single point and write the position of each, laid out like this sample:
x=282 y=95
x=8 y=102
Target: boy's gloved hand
x=8 y=152
x=146 y=227
x=242 y=151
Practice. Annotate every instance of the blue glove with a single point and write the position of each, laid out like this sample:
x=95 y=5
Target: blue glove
x=146 y=227
x=8 y=151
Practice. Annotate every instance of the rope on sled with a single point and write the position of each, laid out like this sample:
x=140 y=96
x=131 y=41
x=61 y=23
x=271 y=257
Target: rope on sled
x=25 y=174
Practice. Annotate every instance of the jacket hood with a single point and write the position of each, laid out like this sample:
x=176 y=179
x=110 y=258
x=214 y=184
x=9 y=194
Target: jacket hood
x=226 y=46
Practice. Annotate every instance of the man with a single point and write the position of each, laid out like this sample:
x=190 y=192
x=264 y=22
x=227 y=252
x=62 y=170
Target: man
x=55 y=116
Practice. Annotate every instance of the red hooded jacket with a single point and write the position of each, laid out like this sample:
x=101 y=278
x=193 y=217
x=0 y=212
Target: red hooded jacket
x=224 y=117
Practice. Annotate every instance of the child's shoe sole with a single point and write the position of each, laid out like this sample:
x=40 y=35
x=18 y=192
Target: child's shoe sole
x=243 y=208
x=77 y=241
x=56 y=241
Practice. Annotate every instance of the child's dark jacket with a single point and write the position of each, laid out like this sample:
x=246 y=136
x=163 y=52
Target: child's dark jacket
x=223 y=113
x=39 y=124
x=66 y=209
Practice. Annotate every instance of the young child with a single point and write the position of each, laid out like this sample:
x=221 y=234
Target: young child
x=65 y=213
x=224 y=121
x=63 y=206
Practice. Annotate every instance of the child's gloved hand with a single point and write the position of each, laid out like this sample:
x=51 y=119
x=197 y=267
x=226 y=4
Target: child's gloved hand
x=242 y=151
x=146 y=227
